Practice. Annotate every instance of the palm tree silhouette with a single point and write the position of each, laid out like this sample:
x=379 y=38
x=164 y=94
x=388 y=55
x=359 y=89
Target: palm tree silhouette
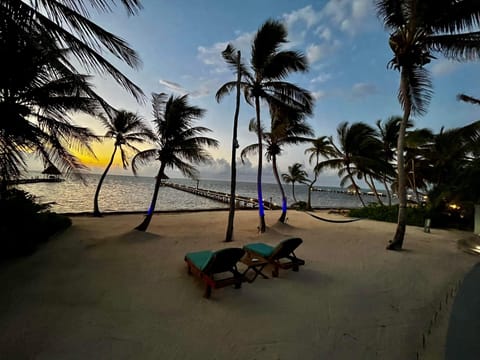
x=321 y=147
x=295 y=175
x=68 y=24
x=37 y=94
x=179 y=142
x=288 y=127
x=269 y=66
x=417 y=29
x=125 y=128
x=356 y=152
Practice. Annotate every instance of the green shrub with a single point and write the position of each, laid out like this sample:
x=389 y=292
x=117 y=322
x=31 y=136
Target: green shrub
x=440 y=218
x=25 y=223
x=415 y=215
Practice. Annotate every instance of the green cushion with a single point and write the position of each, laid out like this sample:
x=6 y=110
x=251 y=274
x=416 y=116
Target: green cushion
x=200 y=258
x=260 y=248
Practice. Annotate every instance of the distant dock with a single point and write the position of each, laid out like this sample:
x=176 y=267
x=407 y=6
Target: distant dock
x=240 y=201
x=34 y=181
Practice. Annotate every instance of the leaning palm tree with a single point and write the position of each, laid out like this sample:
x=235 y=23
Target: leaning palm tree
x=288 y=127
x=321 y=147
x=295 y=175
x=357 y=149
x=418 y=28
x=38 y=95
x=125 y=128
x=68 y=24
x=265 y=80
x=179 y=142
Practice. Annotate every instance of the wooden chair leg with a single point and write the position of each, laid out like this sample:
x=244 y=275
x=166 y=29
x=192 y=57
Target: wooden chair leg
x=208 y=292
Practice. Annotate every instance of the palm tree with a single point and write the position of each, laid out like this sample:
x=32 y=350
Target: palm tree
x=321 y=146
x=288 y=127
x=125 y=128
x=269 y=66
x=388 y=135
x=358 y=149
x=68 y=24
x=234 y=60
x=417 y=29
x=295 y=174
x=179 y=142
x=37 y=95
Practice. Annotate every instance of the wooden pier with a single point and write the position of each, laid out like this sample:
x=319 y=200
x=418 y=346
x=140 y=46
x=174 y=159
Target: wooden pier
x=241 y=202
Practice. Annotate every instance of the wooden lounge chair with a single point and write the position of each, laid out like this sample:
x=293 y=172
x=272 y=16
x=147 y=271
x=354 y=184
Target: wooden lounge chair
x=281 y=256
x=211 y=267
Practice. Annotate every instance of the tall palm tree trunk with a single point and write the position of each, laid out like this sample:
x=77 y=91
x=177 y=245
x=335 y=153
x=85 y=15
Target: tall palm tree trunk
x=371 y=184
x=397 y=242
x=96 y=210
x=293 y=191
x=357 y=188
x=389 y=195
x=261 y=209
x=233 y=176
x=144 y=225
x=282 y=191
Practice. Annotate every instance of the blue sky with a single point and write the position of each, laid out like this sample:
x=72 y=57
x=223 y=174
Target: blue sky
x=180 y=44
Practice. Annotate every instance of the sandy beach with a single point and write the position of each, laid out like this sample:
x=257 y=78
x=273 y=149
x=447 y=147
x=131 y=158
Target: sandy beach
x=101 y=290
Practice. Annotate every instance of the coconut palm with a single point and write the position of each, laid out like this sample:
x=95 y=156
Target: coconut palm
x=321 y=147
x=68 y=24
x=125 y=128
x=179 y=142
x=288 y=127
x=269 y=66
x=295 y=175
x=234 y=60
x=388 y=135
x=358 y=148
x=418 y=28
x=37 y=96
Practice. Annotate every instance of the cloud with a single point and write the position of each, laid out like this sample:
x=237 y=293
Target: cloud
x=444 y=67
x=180 y=90
x=317 y=95
x=321 y=78
x=349 y=16
x=307 y=15
x=362 y=90
x=212 y=55
x=317 y=52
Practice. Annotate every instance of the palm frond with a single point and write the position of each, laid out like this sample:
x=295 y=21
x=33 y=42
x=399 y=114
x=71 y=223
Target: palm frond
x=460 y=47
x=143 y=158
x=417 y=90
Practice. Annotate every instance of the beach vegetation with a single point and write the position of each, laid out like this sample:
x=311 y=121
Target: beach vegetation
x=180 y=144
x=26 y=223
x=125 y=128
x=418 y=29
x=265 y=80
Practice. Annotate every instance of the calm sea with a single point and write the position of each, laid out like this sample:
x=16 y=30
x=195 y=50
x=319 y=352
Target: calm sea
x=128 y=193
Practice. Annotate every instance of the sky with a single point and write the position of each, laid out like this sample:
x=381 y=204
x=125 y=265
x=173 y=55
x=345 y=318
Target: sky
x=180 y=44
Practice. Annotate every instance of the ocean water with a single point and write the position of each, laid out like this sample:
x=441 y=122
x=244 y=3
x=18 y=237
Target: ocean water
x=129 y=193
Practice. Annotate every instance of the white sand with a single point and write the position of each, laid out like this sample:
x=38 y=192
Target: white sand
x=103 y=291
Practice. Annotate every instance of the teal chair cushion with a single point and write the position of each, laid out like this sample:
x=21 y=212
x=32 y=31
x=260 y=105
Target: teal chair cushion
x=261 y=249
x=200 y=258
